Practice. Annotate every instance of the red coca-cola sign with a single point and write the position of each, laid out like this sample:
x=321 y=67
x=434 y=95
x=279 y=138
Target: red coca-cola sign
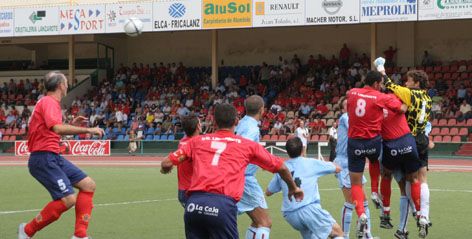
x=73 y=147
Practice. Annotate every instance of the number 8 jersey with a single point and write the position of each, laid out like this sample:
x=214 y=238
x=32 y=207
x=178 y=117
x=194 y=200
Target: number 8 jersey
x=365 y=110
x=219 y=161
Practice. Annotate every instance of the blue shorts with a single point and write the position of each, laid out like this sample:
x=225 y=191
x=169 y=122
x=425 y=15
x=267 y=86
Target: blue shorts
x=55 y=173
x=182 y=196
x=209 y=215
x=344 y=180
x=360 y=149
x=401 y=154
x=312 y=221
x=253 y=196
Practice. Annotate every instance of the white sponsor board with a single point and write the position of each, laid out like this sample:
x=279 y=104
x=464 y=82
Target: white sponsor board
x=177 y=15
x=6 y=23
x=319 y=12
x=36 y=21
x=117 y=14
x=444 y=9
x=269 y=13
x=82 y=19
x=388 y=10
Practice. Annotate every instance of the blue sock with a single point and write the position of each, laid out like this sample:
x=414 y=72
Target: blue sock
x=367 y=213
x=404 y=210
x=346 y=217
x=262 y=233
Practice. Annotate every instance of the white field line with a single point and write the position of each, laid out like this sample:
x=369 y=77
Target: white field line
x=173 y=199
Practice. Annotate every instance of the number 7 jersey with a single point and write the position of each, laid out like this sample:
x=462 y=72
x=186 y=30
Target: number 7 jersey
x=220 y=159
x=365 y=111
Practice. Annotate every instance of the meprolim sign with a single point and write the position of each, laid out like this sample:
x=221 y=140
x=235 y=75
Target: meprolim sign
x=388 y=10
x=268 y=13
x=177 y=15
x=324 y=12
x=36 y=21
x=445 y=9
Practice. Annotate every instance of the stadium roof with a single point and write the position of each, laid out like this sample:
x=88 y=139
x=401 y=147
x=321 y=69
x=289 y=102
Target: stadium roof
x=34 y=3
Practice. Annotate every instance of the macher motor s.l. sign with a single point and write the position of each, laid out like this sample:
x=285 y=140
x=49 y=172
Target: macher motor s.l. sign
x=73 y=148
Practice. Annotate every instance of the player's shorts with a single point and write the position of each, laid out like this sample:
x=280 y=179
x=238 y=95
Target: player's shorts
x=55 y=173
x=312 y=221
x=360 y=149
x=182 y=196
x=344 y=180
x=401 y=154
x=253 y=196
x=209 y=215
x=422 y=143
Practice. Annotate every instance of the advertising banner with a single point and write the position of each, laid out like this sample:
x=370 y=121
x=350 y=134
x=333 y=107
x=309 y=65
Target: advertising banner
x=6 y=23
x=320 y=12
x=82 y=19
x=389 y=10
x=36 y=21
x=117 y=14
x=270 y=13
x=177 y=15
x=227 y=13
x=444 y=9
x=73 y=148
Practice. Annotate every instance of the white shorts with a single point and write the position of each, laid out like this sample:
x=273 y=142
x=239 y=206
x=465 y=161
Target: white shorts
x=253 y=196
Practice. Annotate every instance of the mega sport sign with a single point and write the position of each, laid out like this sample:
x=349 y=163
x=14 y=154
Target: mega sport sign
x=177 y=15
x=73 y=148
x=82 y=20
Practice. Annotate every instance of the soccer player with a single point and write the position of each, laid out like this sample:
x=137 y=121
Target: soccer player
x=415 y=96
x=55 y=173
x=307 y=216
x=191 y=126
x=343 y=176
x=399 y=153
x=219 y=162
x=253 y=202
x=365 y=112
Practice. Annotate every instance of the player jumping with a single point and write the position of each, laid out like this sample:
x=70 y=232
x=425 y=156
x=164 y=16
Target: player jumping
x=54 y=172
x=219 y=161
x=307 y=216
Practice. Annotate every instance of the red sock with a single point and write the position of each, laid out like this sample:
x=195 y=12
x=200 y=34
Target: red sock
x=358 y=198
x=416 y=194
x=83 y=212
x=374 y=171
x=386 y=191
x=49 y=214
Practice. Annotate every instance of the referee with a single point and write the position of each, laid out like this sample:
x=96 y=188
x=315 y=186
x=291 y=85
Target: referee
x=419 y=104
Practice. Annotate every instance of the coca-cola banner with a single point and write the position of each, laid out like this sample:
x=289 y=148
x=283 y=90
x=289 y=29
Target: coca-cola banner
x=72 y=147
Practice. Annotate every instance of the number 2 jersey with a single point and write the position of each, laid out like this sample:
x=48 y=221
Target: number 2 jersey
x=305 y=173
x=220 y=159
x=365 y=111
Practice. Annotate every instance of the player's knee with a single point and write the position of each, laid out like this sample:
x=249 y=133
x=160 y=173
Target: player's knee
x=88 y=185
x=69 y=201
x=337 y=231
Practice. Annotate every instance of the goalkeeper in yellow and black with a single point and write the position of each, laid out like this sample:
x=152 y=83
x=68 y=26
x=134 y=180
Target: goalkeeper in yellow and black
x=414 y=95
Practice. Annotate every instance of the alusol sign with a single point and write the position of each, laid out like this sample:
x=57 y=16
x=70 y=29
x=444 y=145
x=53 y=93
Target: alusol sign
x=227 y=13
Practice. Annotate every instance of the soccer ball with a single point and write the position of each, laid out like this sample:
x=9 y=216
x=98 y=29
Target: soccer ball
x=133 y=27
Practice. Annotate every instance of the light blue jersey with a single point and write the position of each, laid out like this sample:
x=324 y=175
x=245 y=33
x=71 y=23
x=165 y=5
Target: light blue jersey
x=248 y=128
x=341 y=146
x=428 y=128
x=305 y=173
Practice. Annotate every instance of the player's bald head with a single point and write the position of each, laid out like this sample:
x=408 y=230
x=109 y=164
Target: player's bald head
x=53 y=80
x=253 y=105
x=225 y=116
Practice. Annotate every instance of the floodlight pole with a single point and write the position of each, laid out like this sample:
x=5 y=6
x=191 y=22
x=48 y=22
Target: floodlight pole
x=373 y=43
x=214 y=58
x=71 y=59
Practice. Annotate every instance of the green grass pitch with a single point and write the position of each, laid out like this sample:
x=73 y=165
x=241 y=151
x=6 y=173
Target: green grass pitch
x=140 y=203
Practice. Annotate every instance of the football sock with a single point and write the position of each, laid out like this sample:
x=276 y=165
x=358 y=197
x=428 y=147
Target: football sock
x=425 y=200
x=83 y=213
x=408 y=194
x=346 y=217
x=358 y=199
x=262 y=233
x=367 y=213
x=374 y=171
x=50 y=213
x=386 y=191
x=415 y=195
x=251 y=233
x=404 y=209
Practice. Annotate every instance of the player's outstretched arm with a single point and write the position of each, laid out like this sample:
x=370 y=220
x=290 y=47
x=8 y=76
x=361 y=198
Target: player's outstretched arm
x=293 y=190
x=174 y=158
x=166 y=166
x=64 y=129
